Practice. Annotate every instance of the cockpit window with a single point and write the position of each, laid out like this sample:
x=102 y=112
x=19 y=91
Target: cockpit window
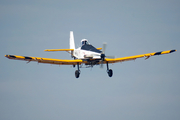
x=88 y=47
x=85 y=42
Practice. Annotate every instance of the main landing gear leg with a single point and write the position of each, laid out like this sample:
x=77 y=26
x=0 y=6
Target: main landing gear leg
x=77 y=72
x=109 y=71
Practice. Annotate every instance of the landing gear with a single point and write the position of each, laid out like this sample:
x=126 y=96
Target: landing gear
x=77 y=72
x=109 y=71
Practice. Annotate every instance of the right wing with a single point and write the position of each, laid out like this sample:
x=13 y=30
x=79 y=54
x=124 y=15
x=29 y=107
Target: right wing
x=46 y=60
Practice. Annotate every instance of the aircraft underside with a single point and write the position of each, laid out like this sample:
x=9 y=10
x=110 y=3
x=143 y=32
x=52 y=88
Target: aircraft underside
x=91 y=63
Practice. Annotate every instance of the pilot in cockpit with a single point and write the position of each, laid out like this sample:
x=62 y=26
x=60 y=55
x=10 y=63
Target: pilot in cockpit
x=84 y=42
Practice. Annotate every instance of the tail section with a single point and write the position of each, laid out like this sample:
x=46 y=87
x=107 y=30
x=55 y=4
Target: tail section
x=72 y=44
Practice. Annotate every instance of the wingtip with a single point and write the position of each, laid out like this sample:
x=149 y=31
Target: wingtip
x=173 y=50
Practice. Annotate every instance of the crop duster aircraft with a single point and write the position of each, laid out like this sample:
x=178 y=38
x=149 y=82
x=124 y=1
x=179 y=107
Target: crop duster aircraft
x=86 y=55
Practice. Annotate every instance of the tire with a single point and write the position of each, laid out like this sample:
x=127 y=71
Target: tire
x=77 y=73
x=110 y=73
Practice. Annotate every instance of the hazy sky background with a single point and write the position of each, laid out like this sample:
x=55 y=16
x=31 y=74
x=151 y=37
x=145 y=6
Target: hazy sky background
x=140 y=90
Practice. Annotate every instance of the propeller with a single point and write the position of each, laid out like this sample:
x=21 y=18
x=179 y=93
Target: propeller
x=103 y=54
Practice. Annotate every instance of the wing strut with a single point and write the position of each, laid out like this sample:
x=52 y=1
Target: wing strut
x=147 y=57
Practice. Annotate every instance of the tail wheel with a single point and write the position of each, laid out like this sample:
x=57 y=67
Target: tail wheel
x=110 y=73
x=77 y=73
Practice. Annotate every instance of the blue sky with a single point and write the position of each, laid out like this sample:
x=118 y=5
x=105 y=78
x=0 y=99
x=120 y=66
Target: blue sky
x=140 y=89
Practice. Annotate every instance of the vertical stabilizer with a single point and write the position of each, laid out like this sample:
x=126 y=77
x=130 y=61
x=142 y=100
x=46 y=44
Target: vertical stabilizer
x=71 y=40
x=71 y=43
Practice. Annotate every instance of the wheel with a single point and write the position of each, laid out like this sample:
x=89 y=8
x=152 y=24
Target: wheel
x=77 y=73
x=110 y=73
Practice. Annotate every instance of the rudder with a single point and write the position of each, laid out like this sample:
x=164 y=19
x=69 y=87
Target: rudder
x=72 y=44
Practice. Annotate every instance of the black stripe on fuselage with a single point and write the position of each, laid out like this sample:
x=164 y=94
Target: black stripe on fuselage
x=90 y=48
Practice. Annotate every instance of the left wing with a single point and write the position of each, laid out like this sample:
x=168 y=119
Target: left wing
x=45 y=60
x=122 y=59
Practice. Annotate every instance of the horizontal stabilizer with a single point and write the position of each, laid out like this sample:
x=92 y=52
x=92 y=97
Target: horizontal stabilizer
x=51 y=50
x=98 y=48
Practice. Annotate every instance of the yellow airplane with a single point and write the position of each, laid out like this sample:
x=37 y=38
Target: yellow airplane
x=86 y=55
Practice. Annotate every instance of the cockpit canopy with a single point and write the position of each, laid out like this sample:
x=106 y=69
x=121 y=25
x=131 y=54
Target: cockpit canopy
x=84 y=42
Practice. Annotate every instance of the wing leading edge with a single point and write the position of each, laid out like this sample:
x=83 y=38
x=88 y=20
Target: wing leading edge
x=123 y=59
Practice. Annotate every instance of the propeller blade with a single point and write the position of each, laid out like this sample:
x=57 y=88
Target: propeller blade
x=101 y=65
x=104 y=47
x=110 y=57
